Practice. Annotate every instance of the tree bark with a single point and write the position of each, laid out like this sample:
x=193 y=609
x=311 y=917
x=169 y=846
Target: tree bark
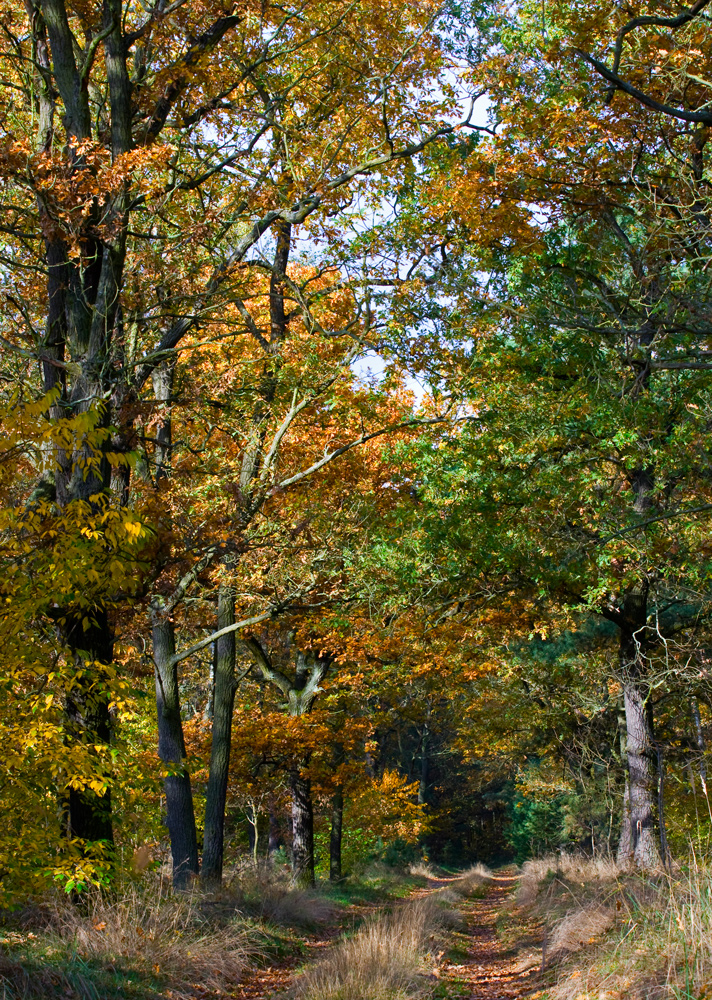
x=624 y=852
x=664 y=849
x=302 y=825
x=644 y=850
x=180 y=815
x=223 y=702
x=337 y=824
x=639 y=738
x=180 y=812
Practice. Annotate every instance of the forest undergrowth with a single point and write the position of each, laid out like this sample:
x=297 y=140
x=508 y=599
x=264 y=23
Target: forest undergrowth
x=598 y=930
x=144 y=941
x=576 y=928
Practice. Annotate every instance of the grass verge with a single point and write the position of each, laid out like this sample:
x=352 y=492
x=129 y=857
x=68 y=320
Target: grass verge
x=606 y=933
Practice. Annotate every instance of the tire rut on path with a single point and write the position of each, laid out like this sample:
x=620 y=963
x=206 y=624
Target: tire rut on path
x=490 y=971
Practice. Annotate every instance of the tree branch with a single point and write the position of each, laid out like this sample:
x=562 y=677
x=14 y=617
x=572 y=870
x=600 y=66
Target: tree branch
x=695 y=117
x=204 y=43
x=269 y=672
x=349 y=447
x=246 y=623
x=651 y=20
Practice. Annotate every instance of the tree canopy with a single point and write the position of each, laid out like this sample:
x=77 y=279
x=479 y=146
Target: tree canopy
x=355 y=370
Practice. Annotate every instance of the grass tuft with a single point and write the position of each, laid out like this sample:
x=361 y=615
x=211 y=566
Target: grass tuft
x=385 y=958
x=126 y=945
x=267 y=893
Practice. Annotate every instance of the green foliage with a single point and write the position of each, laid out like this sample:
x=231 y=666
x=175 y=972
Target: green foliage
x=536 y=825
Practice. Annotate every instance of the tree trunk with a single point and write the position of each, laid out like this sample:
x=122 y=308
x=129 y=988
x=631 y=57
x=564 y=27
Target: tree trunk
x=302 y=826
x=180 y=815
x=642 y=784
x=700 y=740
x=639 y=736
x=89 y=722
x=623 y=855
x=643 y=850
x=223 y=701
x=337 y=823
x=300 y=692
x=664 y=849
x=253 y=821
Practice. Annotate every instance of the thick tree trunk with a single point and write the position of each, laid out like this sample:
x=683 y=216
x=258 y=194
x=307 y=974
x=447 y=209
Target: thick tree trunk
x=180 y=812
x=180 y=815
x=337 y=824
x=302 y=826
x=643 y=849
x=639 y=736
x=223 y=702
x=624 y=852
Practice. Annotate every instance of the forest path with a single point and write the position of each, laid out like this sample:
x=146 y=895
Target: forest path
x=489 y=971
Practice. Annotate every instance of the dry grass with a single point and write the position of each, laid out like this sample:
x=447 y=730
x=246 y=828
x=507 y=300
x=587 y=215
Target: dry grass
x=155 y=932
x=472 y=879
x=390 y=955
x=688 y=924
x=581 y=927
x=627 y=935
x=148 y=937
x=386 y=957
x=574 y=868
x=267 y=894
x=422 y=869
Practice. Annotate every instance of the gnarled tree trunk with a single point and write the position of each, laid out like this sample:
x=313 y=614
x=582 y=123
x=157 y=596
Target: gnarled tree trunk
x=300 y=692
x=639 y=738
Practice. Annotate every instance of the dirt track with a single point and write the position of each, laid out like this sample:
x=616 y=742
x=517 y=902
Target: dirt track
x=487 y=972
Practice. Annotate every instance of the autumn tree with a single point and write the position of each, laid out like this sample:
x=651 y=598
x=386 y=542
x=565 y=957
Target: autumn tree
x=151 y=159
x=579 y=294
